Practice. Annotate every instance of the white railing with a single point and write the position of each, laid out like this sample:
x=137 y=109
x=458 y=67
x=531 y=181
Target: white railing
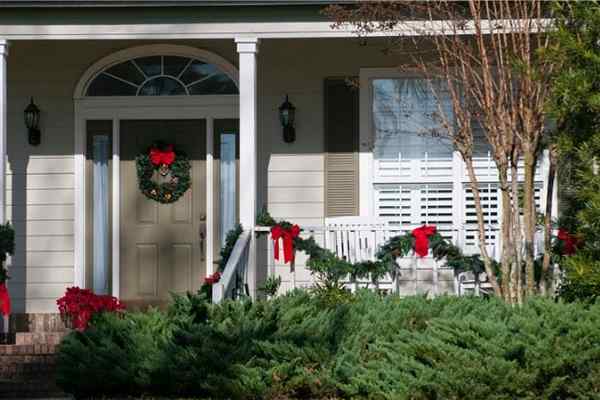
x=233 y=282
x=356 y=241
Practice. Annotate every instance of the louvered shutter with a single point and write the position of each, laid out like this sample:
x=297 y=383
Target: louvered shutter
x=341 y=148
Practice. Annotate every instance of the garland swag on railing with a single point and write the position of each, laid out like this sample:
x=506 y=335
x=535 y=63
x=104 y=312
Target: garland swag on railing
x=385 y=263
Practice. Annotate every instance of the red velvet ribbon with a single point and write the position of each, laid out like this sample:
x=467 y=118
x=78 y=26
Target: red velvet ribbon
x=160 y=157
x=421 y=236
x=571 y=242
x=288 y=235
x=4 y=300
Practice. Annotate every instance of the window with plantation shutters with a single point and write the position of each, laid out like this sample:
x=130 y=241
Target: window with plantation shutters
x=341 y=148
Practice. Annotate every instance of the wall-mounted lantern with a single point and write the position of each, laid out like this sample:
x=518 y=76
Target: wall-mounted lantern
x=32 y=122
x=287 y=115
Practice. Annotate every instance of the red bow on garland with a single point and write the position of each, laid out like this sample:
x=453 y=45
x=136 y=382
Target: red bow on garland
x=288 y=236
x=4 y=299
x=421 y=236
x=162 y=157
x=212 y=279
x=571 y=242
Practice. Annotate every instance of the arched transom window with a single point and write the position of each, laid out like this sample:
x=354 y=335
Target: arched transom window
x=161 y=76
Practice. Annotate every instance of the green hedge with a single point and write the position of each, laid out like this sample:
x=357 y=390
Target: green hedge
x=368 y=347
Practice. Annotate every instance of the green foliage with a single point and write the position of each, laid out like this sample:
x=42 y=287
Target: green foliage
x=581 y=278
x=7 y=247
x=271 y=285
x=115 y=355
x=230 y=239
x=378 y=347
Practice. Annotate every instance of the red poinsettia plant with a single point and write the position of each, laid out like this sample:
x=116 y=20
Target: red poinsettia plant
x=213 y=278
x=78 y=306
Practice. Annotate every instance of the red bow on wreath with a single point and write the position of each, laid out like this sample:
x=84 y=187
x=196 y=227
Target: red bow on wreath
x=162 y=157
x=288 y=236
x=4 y=300
x=571 y=242
x=421 y=236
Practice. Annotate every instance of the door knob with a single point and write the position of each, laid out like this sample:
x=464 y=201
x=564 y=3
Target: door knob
x=203 y=218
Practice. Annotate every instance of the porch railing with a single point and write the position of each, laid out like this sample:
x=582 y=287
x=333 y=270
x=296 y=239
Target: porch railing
x=233 y=282
x=360 y=241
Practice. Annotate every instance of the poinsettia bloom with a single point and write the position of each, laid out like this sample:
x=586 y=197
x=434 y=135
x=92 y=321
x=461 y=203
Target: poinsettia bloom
x=79 y=306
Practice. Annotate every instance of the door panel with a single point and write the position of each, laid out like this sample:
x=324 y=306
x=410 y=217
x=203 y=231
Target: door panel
x=162 y=245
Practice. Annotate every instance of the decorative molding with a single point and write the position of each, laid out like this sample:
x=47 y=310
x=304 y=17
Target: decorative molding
x=152 y=50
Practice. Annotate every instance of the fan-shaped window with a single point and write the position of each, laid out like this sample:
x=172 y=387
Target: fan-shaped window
x=161 y=76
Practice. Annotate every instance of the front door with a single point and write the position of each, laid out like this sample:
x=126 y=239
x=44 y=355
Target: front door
x=161 y=245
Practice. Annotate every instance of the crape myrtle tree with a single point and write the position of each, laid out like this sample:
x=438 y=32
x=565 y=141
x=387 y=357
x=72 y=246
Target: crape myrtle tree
x=489 y=57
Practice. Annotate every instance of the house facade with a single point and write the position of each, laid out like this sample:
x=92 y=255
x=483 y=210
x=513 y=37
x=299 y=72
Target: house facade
x=113 y=78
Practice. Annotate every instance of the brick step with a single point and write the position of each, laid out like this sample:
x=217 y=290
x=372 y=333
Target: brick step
x=27 y=349
x=28 y=338
x=36 y=323
x=32 y=388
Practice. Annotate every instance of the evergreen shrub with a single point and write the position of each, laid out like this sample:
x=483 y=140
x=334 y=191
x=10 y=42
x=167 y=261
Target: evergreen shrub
x=297 y=347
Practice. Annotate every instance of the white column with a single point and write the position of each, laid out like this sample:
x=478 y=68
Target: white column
x=247 y=48
x=3 y=132
x=210 y=196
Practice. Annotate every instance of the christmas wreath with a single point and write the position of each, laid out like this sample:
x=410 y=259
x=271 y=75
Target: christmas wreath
x=163 y=173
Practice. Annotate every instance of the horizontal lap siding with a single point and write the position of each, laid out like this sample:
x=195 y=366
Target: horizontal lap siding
x=40 y=204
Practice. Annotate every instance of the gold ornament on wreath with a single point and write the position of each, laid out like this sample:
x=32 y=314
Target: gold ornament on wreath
x=163 y=173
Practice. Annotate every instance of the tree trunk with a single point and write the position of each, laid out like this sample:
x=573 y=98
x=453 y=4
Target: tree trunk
x=517 y=262
x=506 y=234
x=552 y=160
x=487 y=261
x=529 y=211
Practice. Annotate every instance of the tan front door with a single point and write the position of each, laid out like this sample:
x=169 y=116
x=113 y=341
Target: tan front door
x=162 y=245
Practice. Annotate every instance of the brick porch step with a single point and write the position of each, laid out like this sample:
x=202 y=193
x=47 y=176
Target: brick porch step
x=28 y=363
x=29 y=338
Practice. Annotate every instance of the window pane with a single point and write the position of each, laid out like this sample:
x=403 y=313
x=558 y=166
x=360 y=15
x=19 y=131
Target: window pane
x=162 y=86
x=218 y=84
x=227 y=184
x=105 y=85
x=175 y=65
x=198 y=70
x=406 y=120
x=127 y=71
x=101 y=225
x=151 y=66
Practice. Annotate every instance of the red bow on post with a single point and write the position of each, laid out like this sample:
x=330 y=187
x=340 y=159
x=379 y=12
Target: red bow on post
x=4 y=300
x=421 y=236
x=571 y=242
x=288 y=236
x=162 y=157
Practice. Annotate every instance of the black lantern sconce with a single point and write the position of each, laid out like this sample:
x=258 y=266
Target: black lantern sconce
x=287 y=115
x=32 y=122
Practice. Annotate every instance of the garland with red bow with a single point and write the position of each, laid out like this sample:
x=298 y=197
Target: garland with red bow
x=7 y=247
x=419 y=241
x=164 y=162
x=287 y=234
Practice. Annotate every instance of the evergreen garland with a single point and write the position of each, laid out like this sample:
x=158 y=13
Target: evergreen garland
x=168 y=192
x=396 y=247
x=7 y=247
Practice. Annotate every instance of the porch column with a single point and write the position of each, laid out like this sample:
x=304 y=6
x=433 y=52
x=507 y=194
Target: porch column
x=247 y=48
x=3 y=133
